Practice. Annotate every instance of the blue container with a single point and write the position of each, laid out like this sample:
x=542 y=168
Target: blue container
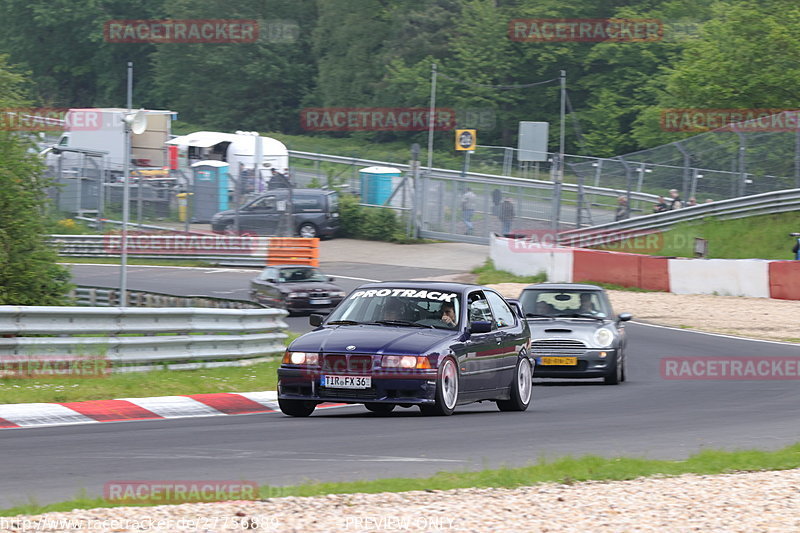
x=210 y=189
x=377 y=184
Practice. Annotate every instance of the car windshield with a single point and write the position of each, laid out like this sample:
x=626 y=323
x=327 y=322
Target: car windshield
x=297 y=274
x=564 y=303
x=399 y=307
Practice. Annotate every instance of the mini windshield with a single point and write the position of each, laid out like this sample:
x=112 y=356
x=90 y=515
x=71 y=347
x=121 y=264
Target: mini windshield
x=570 y=303
x=399 y=307
x=304 y=274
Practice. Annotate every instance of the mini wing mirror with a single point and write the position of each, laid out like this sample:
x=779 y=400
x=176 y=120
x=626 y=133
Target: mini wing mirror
x=330 y=278
x=480 y=326
x=624 y=317
x=316 y=319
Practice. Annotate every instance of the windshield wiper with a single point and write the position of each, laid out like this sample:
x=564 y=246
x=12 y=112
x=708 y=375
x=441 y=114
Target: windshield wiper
x=585 y=315
x=402 y=323
x=343 y=323
x=535 y=315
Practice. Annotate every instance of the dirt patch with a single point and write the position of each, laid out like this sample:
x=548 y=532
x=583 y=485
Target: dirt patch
x=760 y=318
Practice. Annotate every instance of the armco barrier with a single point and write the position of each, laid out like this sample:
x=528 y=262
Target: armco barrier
x=784 y=280
x=293 y=250
x=140 y=338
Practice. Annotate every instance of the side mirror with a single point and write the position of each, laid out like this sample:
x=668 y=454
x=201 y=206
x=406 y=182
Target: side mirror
x=480 y=326
x=330 y=278
x=316 y=319
x=624 y=317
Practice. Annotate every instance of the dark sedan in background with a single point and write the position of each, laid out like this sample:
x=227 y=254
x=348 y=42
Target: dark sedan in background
x=574 y=332
x=431 y=344
x=296 y=288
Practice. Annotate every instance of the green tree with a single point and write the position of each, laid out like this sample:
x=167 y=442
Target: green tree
x=61 y=43
x=29 y=273
x=250 y=86
x=747 y=56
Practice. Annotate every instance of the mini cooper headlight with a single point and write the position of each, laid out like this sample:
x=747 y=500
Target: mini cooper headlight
x=603 y=338
x=301 y=358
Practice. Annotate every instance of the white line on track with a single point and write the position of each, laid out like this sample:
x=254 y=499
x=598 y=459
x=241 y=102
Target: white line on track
x=209 y=270
x=716 y=334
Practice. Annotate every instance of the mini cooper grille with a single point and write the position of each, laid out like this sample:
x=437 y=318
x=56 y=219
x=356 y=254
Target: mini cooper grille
x=318 y=294
x=557 y=347
x=345 y=363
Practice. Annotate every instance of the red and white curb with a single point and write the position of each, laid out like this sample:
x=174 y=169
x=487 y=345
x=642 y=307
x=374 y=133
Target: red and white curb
x=216 y=404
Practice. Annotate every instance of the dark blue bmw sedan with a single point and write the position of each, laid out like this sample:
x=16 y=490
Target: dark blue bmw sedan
x=432 y=344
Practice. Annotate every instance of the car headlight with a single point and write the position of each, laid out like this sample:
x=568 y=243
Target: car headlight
x=338 y=294
x=301 y=358
x=298 y=294
x=603 y=338
x=405 y=361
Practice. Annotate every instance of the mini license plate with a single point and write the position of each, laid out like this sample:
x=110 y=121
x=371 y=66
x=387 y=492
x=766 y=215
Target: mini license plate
x=320 y=301
x=346 y=382
x=560 y=361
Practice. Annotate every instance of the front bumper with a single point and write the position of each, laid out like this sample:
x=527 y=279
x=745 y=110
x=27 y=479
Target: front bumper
x=417 y=387
x=590 y=365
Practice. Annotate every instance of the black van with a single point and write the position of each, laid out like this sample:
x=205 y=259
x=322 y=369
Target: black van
x=315 y=214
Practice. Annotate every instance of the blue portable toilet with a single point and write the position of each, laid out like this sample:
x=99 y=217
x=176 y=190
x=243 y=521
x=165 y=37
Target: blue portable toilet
x=377 y=184
x=209 y=188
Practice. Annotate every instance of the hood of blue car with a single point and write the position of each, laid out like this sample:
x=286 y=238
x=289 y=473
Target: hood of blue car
x=371 y=339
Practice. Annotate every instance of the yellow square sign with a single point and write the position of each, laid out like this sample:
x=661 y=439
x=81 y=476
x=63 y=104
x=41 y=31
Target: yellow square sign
x=466 y=140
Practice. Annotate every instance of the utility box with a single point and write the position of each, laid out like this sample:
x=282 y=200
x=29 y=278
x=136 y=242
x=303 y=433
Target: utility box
x=377 y=184
x=209 y=189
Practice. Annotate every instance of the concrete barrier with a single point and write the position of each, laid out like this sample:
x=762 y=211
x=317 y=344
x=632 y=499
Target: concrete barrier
x=755 y=278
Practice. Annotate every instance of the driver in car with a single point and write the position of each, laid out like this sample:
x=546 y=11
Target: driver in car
x=587 y=307
x=449 y=315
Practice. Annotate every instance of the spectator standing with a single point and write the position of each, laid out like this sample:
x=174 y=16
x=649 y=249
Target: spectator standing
x=622 y=208
x=675 y=201
x=506 y=215
x=661 y=205
x=692 y=201
x=796 y=249
x=468 y=201
x=496 y=197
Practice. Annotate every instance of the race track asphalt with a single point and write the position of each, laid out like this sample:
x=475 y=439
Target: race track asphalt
x=645 y=417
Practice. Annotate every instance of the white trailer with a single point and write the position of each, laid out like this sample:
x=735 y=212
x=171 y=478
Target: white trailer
x=240 y=150
x=103 y=130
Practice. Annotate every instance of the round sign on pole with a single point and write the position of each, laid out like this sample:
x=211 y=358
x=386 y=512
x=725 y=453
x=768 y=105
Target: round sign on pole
x=466 y=140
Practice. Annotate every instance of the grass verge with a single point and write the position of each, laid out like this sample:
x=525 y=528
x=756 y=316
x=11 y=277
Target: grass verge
x=566 y=470
x=761 y=237
x=488 y=274
x=257 y=377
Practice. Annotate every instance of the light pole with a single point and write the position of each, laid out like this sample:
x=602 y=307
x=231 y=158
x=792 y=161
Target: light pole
x=123 y=253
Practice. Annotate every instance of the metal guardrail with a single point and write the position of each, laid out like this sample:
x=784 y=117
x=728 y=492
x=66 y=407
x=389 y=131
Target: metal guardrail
x=759 y=204
x=88 y=296
x=215 y=249
x=133 y=339
x=473 y=176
